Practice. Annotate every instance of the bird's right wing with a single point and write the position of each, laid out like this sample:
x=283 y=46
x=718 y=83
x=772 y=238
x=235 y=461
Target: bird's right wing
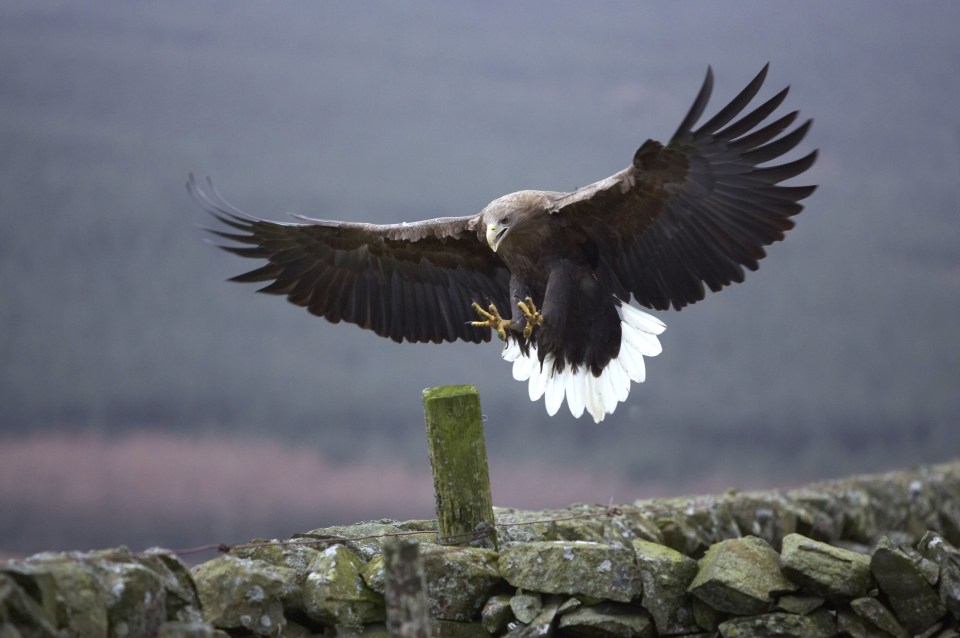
x=412 y=282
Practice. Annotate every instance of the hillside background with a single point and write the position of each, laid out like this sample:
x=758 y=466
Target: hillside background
x=145 y=401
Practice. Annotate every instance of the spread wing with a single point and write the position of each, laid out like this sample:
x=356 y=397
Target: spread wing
x=411 y=282
x=696 y=211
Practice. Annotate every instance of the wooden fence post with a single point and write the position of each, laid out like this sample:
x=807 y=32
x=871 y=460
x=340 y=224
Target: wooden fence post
x=404 y=590
x=458 y=460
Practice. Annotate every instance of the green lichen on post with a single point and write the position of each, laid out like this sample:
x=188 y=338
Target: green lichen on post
x=458 y=460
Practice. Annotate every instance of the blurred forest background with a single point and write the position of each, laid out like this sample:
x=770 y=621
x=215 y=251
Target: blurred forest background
x=145 y=401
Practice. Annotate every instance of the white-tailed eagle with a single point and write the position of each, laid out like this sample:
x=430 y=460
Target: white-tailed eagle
x=551 y=273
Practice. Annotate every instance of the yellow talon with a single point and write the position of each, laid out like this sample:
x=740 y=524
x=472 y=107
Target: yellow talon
x=491 y=319
x=531 y=314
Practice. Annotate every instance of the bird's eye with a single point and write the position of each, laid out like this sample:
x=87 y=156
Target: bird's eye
x=505 y=219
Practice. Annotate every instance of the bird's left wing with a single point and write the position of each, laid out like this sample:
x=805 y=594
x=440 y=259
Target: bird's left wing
x=412 y=282
x=697 y=210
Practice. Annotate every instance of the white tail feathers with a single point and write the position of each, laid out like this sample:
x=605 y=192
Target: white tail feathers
x=597 y=395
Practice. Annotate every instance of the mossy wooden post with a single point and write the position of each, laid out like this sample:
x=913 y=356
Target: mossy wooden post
x=458 y=460
x=405 y=591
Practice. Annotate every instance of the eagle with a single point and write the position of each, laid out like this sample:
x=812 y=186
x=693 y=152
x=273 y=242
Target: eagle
x=552 y=274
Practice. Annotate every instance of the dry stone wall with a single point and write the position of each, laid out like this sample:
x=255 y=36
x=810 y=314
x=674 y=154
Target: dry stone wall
x=871 y=556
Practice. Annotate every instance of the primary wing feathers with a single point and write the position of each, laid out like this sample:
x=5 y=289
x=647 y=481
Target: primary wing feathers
x=412 y=282
x=692 y=214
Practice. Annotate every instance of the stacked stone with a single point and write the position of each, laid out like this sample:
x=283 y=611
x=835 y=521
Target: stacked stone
x=100 y=594
x=867 y=557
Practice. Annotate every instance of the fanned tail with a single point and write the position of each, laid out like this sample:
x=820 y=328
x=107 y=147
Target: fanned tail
x=597 y=395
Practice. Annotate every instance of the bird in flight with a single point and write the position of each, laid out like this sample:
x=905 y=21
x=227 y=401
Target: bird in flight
x=552 y=273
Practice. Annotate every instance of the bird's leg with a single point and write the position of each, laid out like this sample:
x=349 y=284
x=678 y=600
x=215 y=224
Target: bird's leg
x=491 y=319
x=531 y=314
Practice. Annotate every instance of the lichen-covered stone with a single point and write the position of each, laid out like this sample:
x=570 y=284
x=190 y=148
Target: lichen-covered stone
x=611 y=527
x=713 y=515
x=628 y=524
x=540 y=625
x=850 y=624
x=879 y=620
x=440 y=628
x=765 y=515
x=935 y=547
x=366 y=539
x=579 y=529
x=296 y=630
x=607 y=620
x=244 y=594
x=573 y=567
x=138 y=603
x=526 y=606
x=108 y=592
x=824 y=570
x=678 y=532
x=780 y=625
x=946 y=556
x=375 y=630
x=569 y=605
x=189 y=630
x=948 y=515
x=860 y=515
x=666 y=574
x=819 y=515
x=81 y=600
x=182 y=601
x=523 y=526
x=740 y=576
x=334 y=592
x=373 y=574
x=496 y=613
x=692 y=524
x=32 y=618
x=802 y=605
x=915 y=603
x=459 y=579
x=927 y=567
x=704 y=615
x=292 y=555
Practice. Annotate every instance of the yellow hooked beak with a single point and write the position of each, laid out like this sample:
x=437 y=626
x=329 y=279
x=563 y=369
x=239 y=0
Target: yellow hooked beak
x=495 y=235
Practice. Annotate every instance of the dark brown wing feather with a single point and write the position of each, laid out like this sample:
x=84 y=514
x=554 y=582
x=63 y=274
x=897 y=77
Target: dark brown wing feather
x=699 y=209
x=412 y=282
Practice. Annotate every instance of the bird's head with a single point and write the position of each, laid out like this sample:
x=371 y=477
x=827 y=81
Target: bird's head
x=497 y=231
x=507 y=214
